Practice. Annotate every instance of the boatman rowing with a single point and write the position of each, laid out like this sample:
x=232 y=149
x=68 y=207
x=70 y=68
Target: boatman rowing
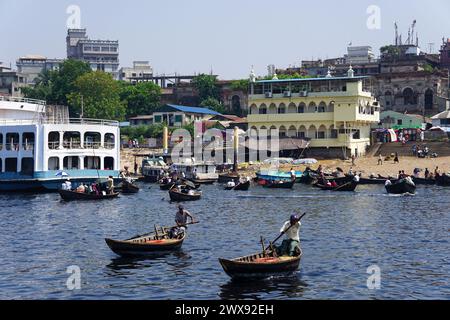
x=181 y=219
x=291 y=245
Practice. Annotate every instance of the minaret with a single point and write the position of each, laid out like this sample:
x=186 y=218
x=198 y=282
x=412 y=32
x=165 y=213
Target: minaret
x=329 y=75
x=350 y=72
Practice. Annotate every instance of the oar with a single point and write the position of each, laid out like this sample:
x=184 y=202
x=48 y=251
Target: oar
x=148 y=234
x=345 y=184
x=283 y=233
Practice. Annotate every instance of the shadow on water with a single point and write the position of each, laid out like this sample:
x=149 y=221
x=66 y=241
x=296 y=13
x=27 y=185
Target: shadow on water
x=291 y=287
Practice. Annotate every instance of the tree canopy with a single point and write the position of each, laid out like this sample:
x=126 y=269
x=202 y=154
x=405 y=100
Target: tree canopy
x=206 y=86
x=140 y=99
x=99 y=93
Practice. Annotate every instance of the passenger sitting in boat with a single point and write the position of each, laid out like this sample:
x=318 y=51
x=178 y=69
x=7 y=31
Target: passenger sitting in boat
x=81 y=188
x=334 y=184
x=231 y=184
x=388 y=183
x=291 y=245
x=67 y=185
x=357 y=178
x=95 y=189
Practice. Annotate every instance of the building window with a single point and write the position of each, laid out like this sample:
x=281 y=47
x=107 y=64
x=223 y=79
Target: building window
x=110 y=141
x=27 y=166
x=53 y=140
x=92 y=140
x=1 y=142
x=72 y=140
x=109 y=163
x=11 y=165
x=92 y=163
x=178 y=118
x=71 y=163
x=320 y=135
x=12 y=142
x=158 y=119
x=399 y=122
x=333 y=134
x=1 y=165
x=53 y=163
x=262 y=111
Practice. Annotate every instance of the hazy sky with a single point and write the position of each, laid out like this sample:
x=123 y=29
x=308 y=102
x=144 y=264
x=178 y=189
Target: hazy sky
x=187 y=36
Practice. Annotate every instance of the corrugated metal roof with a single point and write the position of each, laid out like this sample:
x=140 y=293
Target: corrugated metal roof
x=194 y=109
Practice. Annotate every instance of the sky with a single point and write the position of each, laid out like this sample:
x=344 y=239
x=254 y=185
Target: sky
x=225 y=36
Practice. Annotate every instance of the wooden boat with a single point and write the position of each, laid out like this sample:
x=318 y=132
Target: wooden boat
x=349 y=186
x=279 y=184
x=179 y=196
x=259 y=266
x=423 y=181
x=144 y=245
x=443 y=180
x=129 y=188
x=166 y=186
x=227 y=177
x=401 y=187
x=67 y=195
x=245 y=186
x=203 y=181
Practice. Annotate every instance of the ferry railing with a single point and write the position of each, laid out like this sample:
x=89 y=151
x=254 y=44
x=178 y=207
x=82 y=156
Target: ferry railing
x=53 y=145
x=23 y=100
x=92 y=145
x=97 y=122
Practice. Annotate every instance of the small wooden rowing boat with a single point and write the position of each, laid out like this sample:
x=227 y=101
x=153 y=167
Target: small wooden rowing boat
x=177 y=195
x=401 y=187
x=144 y=245
x=423 y=181
x=244 y=186
x=67 y=195
x=128 y=187
x=260 y=266
x=166 y=186
x=349 y=186
x=279 y=184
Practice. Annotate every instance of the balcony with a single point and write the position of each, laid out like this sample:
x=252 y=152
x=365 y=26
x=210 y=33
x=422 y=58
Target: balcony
x=291 y=117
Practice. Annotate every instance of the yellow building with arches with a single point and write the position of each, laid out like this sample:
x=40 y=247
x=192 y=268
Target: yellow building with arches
x=335 y=114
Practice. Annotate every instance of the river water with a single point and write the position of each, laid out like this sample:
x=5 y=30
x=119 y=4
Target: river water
x=407 y=237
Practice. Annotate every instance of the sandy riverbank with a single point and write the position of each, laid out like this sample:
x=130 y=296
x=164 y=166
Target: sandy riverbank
x=370 y=166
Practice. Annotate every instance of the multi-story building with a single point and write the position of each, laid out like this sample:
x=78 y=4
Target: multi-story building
x=101 y=55
x=11 y=81
x=140 y=70
x=359 y=55
x=178 y=116
x=335 y=113
x=31 y=66
x=445 y=54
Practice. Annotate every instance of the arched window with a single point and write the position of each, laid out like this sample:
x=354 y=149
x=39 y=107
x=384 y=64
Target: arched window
x=322 y=132
x=331 y=106
x=263 y=109
x=236 y=104
x=253 y=109
x=409 y=97
x=302 y=132
x=322 y=107
x=333 y=133
x=292 y=132
x=282 y=109
x=292 y=108
x=312 y=107
x=110 y=141
x=302 y=108
x=282 y=132
x=312 y=132
x=429 y=99
x=273 y=109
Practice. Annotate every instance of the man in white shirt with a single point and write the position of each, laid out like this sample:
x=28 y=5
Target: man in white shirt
x=291 y=245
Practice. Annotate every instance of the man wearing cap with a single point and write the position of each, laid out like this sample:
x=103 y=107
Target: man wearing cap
x=291 y=245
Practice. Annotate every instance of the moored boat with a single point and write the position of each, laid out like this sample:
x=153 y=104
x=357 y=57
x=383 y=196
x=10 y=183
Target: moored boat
x=67 y=195
x=443 y=180
x=260 y=266
x=241 y=186
x=349 y=186
x=166 y=186
x=402 y=186
x=129 y=187
x=279 y=184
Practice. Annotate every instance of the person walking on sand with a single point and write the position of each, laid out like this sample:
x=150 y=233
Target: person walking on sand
x=380 y=160
x=353 y=160
x=396 y=160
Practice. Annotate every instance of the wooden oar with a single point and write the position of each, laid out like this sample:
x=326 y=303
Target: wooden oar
x=148 y=234
x=345 y=184
x=284 y=232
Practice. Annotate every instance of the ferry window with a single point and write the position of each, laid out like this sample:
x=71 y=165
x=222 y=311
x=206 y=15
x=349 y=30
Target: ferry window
x=72 y=140
x=53 y=164
x=92 y=140
x=53 y=140
x=110 y=141
x=1 y=165
x=92 y=163
x=12 y=141
x=11 y=165
x=109 y=163
x=71 y=163
x=27 y=166
x=28 y=141
x=1 y=142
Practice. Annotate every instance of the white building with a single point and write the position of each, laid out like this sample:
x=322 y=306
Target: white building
x=359 y=55
x=140 y=69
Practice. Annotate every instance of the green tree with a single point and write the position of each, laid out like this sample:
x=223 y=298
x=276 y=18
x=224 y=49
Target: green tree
x=140 y=99
x=240 y=85
x=206 y=86
x=213 y=104
x=99 y=93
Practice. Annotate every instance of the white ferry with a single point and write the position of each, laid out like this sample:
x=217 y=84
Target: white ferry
x=197 y=171
x=40 y=146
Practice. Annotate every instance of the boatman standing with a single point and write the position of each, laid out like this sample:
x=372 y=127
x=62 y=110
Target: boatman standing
x=181 y=219
x=291 y=245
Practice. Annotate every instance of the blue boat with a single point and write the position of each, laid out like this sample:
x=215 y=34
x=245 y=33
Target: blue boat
x=273 y=175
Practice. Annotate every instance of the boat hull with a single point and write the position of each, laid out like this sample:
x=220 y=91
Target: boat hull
x=181 y=197
x=75 y=196
x=348 y=187
x=284 y=185
x=238 y=269
x=443 y=181
x=401 y=187
x=130 y=248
